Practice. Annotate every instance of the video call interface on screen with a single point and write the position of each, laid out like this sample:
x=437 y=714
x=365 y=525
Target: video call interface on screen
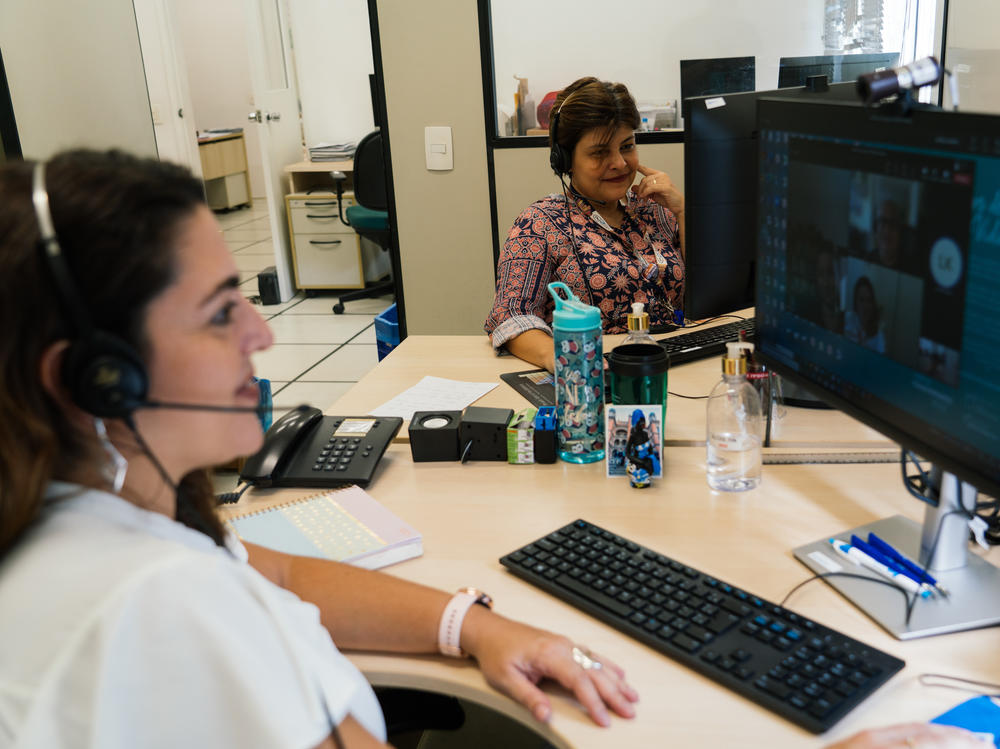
x=879 y=260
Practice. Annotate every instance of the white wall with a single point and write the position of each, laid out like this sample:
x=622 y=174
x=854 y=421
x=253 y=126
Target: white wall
x=213 y=36
x=974 y=53
x=333 y=57
x=640 y=42
x=75 y=75
x=430 y=59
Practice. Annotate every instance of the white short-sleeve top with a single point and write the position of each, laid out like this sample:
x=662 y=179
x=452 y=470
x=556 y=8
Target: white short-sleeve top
x=121 y=627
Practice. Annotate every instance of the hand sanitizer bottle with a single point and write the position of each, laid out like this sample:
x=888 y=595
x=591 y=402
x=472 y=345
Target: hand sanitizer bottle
x=638 y=326
x=734 y=427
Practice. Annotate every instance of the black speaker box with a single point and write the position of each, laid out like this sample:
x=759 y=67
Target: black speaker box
x=267 y=286
x=434 y=435
x=486 y=430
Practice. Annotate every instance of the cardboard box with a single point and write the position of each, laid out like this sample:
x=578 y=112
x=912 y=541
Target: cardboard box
x=521 y=436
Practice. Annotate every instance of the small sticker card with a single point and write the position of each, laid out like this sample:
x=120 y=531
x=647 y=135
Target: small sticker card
x=634 y=435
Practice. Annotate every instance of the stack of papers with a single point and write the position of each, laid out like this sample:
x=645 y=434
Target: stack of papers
x=332 y=151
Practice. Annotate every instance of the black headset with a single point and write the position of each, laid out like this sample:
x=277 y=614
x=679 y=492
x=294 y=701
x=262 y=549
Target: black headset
x=560 y=159
x=104 y=374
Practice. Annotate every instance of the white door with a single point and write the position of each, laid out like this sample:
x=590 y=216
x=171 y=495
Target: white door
x=272 y=74
x=167 y=84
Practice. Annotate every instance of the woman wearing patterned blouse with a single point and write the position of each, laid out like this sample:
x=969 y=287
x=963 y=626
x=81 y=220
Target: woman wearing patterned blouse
x=613 y=243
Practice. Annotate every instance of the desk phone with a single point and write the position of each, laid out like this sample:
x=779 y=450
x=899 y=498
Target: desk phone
x=305 y=448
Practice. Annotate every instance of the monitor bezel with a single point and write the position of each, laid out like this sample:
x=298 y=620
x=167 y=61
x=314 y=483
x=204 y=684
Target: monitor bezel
x=834 y=115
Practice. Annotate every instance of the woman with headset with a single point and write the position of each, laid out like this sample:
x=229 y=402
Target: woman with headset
x=611 y=241
x=131 y=615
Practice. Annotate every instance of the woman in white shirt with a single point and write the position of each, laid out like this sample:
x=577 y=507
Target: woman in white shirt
x=131 y=617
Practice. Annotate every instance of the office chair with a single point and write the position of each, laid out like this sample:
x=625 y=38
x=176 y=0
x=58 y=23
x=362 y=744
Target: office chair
x=368 y=217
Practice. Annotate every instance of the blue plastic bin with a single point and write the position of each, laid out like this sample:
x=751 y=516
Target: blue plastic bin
x=386 y=331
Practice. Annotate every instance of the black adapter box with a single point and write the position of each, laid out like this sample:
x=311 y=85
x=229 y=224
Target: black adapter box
x=483 y=434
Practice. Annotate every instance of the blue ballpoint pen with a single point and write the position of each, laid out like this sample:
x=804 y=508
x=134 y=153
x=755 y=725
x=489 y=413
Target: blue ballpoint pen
x=890 y=563
x=889 y=551
x=857 y=556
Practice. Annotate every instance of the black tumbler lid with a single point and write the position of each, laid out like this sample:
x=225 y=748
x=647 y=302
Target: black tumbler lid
x=638 y=360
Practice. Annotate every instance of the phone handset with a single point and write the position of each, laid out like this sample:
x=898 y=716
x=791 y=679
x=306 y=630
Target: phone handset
x=280 y=442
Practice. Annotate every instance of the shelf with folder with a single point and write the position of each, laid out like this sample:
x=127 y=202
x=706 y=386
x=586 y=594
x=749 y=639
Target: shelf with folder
x=306 y=176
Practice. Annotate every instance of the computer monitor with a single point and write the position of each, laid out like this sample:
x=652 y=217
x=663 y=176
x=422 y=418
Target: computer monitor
x=376 y=109
x=793 y=71
x=719 y=75
x=720 y=196
x=879 y=255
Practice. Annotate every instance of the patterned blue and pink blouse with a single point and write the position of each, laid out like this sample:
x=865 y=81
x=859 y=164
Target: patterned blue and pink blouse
x=609 y=268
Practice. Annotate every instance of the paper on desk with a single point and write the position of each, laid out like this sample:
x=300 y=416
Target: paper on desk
x=434 y=394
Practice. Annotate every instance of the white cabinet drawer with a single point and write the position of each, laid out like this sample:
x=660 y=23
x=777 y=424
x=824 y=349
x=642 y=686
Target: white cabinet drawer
x=318 y=214
x=327 y=260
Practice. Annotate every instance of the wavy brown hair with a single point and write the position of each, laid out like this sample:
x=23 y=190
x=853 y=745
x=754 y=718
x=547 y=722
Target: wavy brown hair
x=117 y=218
x=592 y=103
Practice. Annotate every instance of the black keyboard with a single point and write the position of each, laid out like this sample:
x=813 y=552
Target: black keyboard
x=801 y=670
x=705 y=342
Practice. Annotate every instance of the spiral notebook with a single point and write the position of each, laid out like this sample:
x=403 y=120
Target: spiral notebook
x=346 y=525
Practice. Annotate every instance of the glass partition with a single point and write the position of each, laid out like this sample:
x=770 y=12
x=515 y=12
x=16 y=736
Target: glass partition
x=972 y=54
x=537 y=48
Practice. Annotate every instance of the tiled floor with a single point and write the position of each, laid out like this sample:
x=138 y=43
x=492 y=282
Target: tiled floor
x=317 y=356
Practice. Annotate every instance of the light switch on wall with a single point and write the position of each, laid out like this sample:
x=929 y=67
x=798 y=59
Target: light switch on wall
x=437 y=148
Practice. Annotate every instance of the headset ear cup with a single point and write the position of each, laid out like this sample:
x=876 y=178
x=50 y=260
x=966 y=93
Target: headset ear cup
x=559 y=159
x=105 y=376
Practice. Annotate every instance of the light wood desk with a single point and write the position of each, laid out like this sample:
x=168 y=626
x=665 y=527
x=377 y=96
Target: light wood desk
x=471 y=358
x=472 y=514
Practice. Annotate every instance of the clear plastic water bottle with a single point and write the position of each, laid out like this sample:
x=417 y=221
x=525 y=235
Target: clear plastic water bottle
x=734 y=427
x=579 y=375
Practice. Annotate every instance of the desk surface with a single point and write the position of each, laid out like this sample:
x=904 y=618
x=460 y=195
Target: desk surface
x=471 y=358
x=472 y=514
x=321 y=166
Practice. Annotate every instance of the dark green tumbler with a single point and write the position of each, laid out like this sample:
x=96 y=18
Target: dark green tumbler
x=639 y=374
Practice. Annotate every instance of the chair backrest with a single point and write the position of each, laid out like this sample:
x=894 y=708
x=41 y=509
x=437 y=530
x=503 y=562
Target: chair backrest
x=369 y=173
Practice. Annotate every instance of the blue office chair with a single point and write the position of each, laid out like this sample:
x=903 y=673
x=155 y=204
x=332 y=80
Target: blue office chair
x=368 y=216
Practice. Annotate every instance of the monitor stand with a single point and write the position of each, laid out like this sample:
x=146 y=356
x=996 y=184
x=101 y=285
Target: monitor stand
x=973 y=584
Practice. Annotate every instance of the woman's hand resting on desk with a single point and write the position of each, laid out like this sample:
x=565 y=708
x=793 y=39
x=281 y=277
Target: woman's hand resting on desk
x=913 y=736
x=515 y=657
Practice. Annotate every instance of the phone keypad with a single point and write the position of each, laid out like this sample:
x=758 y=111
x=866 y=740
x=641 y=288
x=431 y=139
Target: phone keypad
x=338 y=452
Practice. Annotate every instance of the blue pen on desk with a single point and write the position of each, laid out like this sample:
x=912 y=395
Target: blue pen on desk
x=890 y=564
x=915 y=568
x=860 y=558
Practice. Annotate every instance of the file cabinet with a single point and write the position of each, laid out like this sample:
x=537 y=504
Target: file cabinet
x=326 y=253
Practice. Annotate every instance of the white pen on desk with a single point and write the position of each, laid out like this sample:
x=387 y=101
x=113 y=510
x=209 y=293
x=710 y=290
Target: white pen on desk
x=860 y=558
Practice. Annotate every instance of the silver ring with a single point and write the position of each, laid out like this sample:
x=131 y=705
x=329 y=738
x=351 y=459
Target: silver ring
x=586 y=659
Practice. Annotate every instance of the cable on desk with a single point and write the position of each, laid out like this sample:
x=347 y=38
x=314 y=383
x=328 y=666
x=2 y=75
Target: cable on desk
x=688 y=397
x=910 y=601
x=712 y=319
x=941 y=680
x=227 y=498
x=465 y=451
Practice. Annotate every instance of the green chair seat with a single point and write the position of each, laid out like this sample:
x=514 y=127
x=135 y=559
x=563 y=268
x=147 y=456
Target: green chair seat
x=366 y=219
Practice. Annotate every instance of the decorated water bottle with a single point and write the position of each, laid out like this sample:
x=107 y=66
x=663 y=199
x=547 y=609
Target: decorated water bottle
x=579 y=376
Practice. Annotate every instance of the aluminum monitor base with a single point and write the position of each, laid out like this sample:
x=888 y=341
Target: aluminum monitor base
x=974 y=590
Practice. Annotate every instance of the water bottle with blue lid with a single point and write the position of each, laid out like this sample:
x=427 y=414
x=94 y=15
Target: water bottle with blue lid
x=579 y=376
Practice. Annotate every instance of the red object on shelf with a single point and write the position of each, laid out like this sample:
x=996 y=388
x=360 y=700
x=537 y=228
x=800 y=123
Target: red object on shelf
x=544 y=108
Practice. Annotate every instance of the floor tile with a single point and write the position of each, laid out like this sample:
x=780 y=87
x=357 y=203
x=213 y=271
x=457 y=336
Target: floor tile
x=350 y=362
x=237 y=245
x=319 y=394
x=365 y=336
x=287 y=361
x=270 y=310
x=263 y=247
x=253 y=263
x=249 y=235
x=323 y=305
x=247 y=275
x=291 y=328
